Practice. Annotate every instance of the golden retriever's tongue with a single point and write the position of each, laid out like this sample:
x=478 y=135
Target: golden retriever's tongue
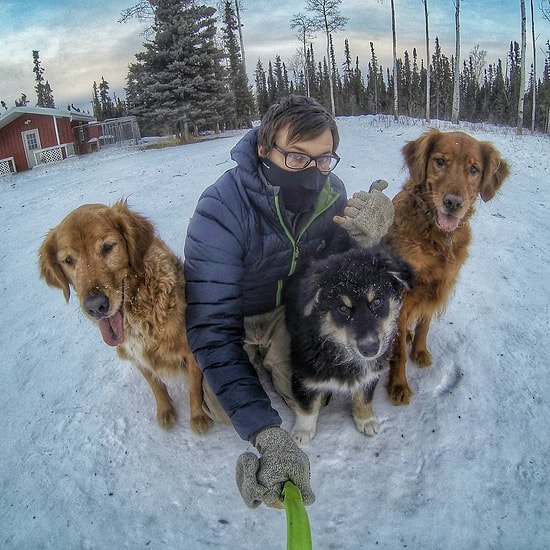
x=112 y=329
x=447 y=222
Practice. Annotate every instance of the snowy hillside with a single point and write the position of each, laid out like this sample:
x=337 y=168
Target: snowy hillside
x=464 y=466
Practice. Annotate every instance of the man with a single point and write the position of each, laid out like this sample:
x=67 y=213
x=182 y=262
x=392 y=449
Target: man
x=249 y=232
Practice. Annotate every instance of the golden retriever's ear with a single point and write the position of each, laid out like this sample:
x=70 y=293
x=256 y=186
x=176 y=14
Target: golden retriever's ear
x=495 y=171
x=137 y=230
x=417 y=153
x=50 y=270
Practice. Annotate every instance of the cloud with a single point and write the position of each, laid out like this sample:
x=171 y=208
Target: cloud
x=73 y=53
x=80 y=42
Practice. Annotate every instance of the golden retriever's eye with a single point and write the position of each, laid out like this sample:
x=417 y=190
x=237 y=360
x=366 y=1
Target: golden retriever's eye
x=68 y=260
x=440 y=161
x=474 y=170
x=107 y=247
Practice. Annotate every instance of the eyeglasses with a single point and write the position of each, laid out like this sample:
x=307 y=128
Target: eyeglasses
x=300 y=161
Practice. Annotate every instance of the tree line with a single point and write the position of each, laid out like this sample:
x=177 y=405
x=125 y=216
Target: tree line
x=191 y=76
x=488 y=94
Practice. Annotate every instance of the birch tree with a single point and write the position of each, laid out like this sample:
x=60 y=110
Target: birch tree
x=240 y=28
x=534 y=86
x=395 y=68
x=521 y=99
x=428 y=67
x=327 y=18
x=455 y=116
x=305 y=33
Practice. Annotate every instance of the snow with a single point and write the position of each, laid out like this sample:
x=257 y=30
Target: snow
x=465 y=465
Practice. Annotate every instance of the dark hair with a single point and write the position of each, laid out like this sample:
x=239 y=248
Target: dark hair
x=305 y=118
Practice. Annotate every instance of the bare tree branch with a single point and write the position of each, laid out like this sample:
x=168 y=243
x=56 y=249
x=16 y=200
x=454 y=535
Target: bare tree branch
x=143 y=11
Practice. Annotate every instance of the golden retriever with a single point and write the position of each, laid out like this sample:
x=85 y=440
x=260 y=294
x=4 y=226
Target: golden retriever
x=131 y=284
x=431 y=231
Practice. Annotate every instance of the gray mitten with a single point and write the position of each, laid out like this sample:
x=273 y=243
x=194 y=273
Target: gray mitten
x=262 y=479
x=368 y=216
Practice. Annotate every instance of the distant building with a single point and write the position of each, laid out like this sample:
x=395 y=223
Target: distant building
x=30 y=136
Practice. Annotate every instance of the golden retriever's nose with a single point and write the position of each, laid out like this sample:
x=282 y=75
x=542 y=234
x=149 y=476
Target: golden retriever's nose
x=97 y=305
x=452 y=202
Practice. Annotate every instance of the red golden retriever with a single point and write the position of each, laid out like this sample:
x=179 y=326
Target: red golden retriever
x=431 y=231
x=131 y=284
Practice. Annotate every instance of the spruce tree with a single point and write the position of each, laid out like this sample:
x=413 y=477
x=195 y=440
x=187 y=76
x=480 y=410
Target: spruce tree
x=22 y=101
x=373 y=89
x=44 y=93
x=242 y=101
x=178 y=84
x=262 y=95
x=96 y=104
x=107 y=104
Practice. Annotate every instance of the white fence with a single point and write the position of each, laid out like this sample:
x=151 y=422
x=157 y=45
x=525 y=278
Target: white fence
x=54 y=154
x=7 y=166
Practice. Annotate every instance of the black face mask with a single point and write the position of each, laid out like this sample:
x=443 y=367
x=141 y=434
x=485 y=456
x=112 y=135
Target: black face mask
x=299 y=189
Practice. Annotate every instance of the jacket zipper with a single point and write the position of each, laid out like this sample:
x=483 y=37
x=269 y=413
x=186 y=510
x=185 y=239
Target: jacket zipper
x=294 y=242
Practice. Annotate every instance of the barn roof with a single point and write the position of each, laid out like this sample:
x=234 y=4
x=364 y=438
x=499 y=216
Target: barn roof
x=15 y=112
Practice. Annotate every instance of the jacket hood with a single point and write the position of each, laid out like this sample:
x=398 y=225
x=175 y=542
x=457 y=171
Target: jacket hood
x=245 y=152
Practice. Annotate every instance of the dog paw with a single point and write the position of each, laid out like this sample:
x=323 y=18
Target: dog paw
x=400 y=393
x=167 y=419
x=201 y=424
x=423 y=358
x=368 y=426
x=303 y=436
x=305 y=428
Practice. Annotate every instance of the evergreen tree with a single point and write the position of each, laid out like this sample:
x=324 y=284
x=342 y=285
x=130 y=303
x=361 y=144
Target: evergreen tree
x=514 y=78
x=178 y=84
x=494 y=100
x=271 y=84
x=22 y=101
x=417 y=91
x=96 y=104
x=404 y=84
x=280 y=79
x=312 y=73
x=106 y=103
x=469 y=92
x=441 y=84
x=373 y=99
x=262 y=96
x=103 y=106
x=351 y=89
x=543 y=99
x=44 y=93
x=242 y=104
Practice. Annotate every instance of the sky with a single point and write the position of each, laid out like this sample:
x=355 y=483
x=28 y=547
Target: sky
x=465 y=466
x=80 y=41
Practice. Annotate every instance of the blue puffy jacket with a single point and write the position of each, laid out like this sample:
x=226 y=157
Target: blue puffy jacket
x=240 y=249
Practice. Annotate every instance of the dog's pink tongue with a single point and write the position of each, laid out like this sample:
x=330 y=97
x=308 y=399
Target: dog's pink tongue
x=447 y=222
x=112 y=329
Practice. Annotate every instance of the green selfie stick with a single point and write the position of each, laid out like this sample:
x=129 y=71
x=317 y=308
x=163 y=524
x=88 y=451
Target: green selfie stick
x=298 y=532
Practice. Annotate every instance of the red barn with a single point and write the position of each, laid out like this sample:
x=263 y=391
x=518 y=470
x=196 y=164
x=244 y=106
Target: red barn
x=37 y=135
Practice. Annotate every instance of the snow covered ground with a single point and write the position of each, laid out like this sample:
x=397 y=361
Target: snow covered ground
x=465 y=465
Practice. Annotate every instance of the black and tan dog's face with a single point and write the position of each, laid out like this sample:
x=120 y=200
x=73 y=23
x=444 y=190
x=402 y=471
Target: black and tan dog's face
x=357 y=299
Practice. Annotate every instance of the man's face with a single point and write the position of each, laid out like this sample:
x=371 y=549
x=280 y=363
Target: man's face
x=319 y=146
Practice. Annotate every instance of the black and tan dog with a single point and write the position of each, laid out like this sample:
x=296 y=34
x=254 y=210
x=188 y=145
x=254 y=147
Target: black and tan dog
x=342 y=317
